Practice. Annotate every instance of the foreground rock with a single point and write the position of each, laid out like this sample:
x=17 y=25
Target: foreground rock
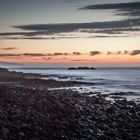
x=35 y=114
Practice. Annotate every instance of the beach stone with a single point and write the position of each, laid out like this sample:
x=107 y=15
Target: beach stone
x=33 y=112
x=21 y=134
x=5 y=132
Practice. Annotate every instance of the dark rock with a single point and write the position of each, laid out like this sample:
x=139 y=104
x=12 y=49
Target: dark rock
x=31 y=112
x=81 y=68
x=5 y=132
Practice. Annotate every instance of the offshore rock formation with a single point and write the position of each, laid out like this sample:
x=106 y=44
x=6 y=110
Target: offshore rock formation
x=81 y=68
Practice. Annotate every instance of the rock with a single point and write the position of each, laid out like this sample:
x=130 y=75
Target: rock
x=24 y=125
x=5 y=132
x=21 y=134
x=34 y=113
x=81 y=68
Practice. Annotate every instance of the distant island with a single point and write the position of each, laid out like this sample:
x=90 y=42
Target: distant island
x=81 y=68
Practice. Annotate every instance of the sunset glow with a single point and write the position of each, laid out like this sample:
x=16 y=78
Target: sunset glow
x=115 y=35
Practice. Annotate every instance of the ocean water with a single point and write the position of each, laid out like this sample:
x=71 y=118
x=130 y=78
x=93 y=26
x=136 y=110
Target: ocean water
x=124 y=82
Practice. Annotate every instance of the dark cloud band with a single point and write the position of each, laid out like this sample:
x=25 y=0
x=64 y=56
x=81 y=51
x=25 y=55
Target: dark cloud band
x=62 y=28
x=127 y=9
x=55 y=31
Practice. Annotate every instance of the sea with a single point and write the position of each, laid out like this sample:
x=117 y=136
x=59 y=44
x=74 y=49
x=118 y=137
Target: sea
x=118 y=83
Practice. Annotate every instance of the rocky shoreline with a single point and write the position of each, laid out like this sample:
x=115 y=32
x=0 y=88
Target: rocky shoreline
x=29 y=111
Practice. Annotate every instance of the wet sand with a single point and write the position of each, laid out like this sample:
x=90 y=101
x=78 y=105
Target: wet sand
x=29 y=111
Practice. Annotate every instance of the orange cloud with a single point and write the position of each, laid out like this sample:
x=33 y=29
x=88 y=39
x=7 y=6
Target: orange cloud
x=75 y=59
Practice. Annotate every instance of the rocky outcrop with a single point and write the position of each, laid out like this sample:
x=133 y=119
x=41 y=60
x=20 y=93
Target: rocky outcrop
x=81 y=68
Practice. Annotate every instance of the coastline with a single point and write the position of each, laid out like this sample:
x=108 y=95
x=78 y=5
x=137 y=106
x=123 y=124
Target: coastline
x=30 y=111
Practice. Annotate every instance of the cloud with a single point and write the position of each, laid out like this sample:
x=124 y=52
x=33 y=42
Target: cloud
x=64 y=30
x=92 y=53
x=58 y=54
x=125 y=52
x=76 y=53
x=71 y=27
x=118 y=52
x=112 y=31
x=135 y=52
x=48 y=56
x=5 y=55
x=109 y=53
x=129 y=26
x=66 y=53
x=23 y=36
x=126 y=9
x=24 y=54
x=9 y=48
x=34 y=54
x=54 y=38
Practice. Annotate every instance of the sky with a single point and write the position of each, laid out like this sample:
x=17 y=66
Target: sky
x=70 y=32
